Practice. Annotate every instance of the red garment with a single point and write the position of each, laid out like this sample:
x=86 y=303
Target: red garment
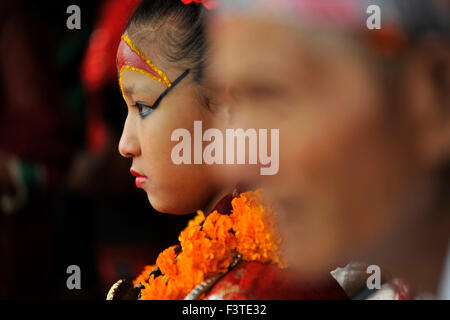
x=258 y=281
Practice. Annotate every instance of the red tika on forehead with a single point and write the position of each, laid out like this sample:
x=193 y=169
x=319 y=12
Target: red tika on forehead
x=131 y=58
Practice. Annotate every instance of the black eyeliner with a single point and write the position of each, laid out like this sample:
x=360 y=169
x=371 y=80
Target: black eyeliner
x=165 y=92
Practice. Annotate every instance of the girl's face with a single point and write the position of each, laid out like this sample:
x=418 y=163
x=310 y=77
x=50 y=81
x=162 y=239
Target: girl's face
x=346 y=172
x=146 y=138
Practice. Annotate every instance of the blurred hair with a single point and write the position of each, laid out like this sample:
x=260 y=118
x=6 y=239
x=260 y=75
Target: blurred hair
x=423 y=23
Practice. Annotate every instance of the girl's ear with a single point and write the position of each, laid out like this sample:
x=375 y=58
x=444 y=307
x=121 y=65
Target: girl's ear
x=426 y=92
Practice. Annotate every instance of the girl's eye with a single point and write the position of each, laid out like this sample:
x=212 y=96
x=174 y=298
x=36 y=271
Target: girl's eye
x=144 y=110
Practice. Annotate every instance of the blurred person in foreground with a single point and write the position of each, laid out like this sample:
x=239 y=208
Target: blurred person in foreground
x=364 y=122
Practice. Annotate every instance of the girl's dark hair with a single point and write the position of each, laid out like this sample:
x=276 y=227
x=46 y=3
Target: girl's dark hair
x=176 y=28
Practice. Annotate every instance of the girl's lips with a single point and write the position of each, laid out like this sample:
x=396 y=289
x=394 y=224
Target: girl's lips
x=140 y=179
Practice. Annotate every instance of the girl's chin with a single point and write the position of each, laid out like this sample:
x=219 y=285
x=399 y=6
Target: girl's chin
x=167 y=206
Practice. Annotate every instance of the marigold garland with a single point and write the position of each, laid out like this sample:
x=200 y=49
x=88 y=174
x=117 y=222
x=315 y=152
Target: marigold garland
x=208 y=247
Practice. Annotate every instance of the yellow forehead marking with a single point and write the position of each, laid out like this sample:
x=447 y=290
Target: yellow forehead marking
x=164 y=79
x=145 y=73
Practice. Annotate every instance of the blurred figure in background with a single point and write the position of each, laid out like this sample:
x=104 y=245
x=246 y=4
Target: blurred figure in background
x=35 y=148
x=364 y=125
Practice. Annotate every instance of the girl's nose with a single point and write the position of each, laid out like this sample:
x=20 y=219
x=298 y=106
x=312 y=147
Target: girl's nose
x=129 y=143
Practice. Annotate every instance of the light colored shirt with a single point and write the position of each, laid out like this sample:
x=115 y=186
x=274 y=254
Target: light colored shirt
x=444 y=286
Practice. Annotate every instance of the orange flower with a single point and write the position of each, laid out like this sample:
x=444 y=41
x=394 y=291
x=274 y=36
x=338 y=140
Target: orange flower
x=255 y=229
x=166 y=262
x=220 y=227
x=208 y=249
x=199 y=218
x=143 y=277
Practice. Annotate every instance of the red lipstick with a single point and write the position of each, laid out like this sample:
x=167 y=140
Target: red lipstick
x=140 y=179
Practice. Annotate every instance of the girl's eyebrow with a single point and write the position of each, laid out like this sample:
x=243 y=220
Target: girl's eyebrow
x=131 y=89
x=166 y=92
